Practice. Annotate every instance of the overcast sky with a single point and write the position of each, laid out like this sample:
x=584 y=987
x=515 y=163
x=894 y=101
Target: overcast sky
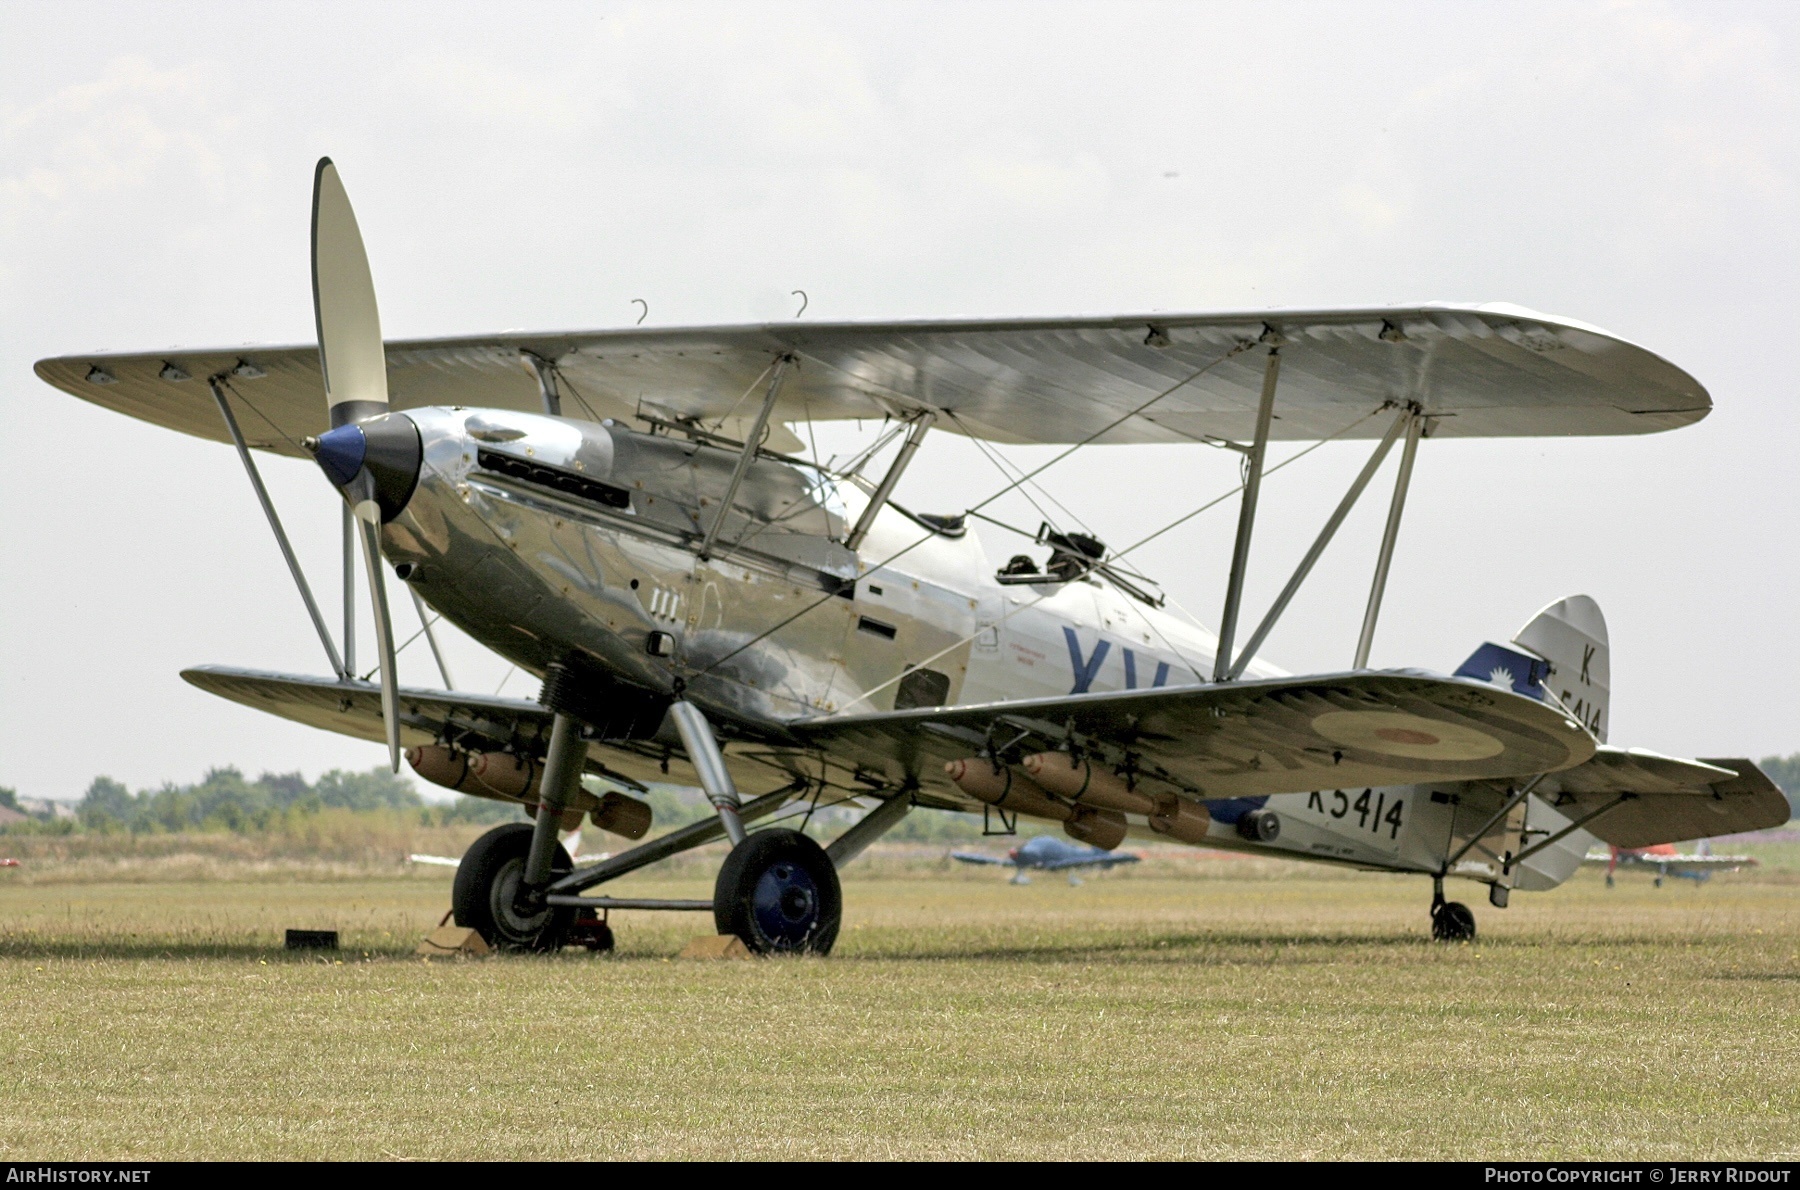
x=1633 y=165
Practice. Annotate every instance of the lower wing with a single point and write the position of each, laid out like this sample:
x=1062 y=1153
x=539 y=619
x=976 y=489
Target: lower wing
x=1237 y=739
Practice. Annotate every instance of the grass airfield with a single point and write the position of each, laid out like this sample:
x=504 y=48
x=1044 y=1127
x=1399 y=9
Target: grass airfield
x=1224 y=1009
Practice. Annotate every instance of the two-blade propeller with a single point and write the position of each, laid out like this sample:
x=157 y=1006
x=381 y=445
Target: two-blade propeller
x=354 y=365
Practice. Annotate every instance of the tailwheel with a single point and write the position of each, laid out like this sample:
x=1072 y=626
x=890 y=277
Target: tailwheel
x=484 y=897
x=778 y=891
x=1452 y=921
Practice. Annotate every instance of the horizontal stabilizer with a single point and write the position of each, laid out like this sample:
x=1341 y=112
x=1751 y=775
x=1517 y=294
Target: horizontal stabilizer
x=1644 y=799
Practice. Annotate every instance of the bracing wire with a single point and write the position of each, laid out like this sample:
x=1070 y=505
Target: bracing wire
x=1009 y=469
x=1294 y=458
x=1268 y=471
x=435 y=620
x=720 y=420
x=562 y=378
x=1030 y=475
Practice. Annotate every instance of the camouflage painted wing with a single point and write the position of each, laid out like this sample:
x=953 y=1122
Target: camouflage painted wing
x=1242 y=739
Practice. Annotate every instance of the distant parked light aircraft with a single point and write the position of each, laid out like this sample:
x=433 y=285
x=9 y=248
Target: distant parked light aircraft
x=1665 y=861
x=1047 y=853
x=626 y=515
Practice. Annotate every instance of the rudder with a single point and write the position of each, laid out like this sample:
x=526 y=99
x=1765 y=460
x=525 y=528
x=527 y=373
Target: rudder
x=1571 y=635
x=1565 y=662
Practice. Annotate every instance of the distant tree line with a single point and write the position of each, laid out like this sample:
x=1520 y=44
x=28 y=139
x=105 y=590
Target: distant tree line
x=226 y=800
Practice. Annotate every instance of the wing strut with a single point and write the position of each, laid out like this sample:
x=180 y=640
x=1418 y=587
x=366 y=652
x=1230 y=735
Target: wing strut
x=752 y=440
x=1568 y=830
x=1240 y=553
x=1318 y=547
x=1404 y=480
x=545 y=371
x=885 y=488
x=1506 y=808
x=349 y=591
x=281 y=538
x=431 y=638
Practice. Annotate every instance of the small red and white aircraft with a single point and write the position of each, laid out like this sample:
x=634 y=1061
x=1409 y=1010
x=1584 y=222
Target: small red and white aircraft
x=1665 y=861
x=627 y=515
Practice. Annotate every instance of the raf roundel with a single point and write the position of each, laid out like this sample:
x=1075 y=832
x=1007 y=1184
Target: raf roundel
x=1390 y=733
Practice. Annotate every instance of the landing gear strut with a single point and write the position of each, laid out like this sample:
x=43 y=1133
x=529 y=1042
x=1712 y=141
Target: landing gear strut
x=1451 y=921
x=777 y=890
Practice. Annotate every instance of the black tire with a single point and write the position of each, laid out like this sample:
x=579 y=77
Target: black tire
x=487 y=878
x=778 y=891
x=1453 y=921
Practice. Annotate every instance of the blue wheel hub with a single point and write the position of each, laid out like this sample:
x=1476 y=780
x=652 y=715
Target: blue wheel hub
x=786 y=904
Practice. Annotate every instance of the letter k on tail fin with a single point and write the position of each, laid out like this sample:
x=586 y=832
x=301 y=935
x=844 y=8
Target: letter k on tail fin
x=1571 y=635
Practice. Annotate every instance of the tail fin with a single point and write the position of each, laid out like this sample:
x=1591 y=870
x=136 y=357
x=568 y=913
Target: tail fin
x=1571 y=635
x=1566 y=662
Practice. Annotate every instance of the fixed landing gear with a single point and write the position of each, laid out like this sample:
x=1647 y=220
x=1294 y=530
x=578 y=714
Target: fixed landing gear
x=779 y=892
x=485 y=895
x=1451 y=921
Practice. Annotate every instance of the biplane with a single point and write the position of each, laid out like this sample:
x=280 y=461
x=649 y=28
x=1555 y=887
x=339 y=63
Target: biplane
x=628 y=515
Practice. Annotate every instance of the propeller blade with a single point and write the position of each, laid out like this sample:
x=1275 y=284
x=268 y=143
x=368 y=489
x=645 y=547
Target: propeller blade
x=368 y=518
x=349 y=324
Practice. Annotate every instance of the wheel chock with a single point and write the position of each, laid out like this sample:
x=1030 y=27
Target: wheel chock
x=715 y=946
x=453 y=942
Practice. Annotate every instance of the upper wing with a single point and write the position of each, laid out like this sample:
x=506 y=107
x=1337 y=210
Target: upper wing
x=1241 y=739
x=1481 y=371
x=1665 y=800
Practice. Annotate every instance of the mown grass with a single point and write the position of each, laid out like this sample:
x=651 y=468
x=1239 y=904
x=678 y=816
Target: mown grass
x=1230 y=1011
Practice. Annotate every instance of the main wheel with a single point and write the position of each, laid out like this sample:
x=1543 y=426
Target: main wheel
x=778 y=891
x=1453 y=921
x=488 y=879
